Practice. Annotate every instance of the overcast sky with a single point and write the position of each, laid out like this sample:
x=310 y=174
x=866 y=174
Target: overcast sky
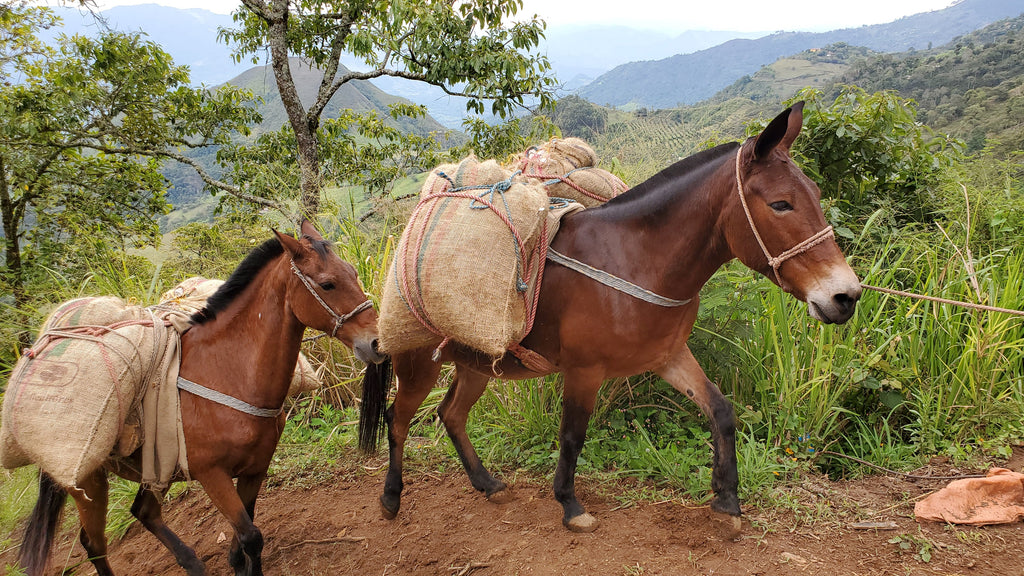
x=678 y=16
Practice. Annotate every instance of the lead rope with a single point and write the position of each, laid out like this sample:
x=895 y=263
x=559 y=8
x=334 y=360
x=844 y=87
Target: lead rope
x=776 y=261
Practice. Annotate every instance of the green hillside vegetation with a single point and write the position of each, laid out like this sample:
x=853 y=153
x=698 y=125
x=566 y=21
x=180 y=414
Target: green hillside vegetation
x=970 y=88
x=817 y=67
x=691 y=78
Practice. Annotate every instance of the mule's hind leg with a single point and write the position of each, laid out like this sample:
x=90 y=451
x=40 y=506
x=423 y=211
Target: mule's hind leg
x=686 y=375
x=454 y=411
x=91 y=500
x=148 y=510
x=417 y=374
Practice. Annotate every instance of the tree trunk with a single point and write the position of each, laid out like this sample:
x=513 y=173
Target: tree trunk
x=305 y=128
x=13 y=273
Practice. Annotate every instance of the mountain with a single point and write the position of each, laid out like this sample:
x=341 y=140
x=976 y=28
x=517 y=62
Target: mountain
x=578 y=53
x=359 y=96
x=689 y=78
x=971 y=88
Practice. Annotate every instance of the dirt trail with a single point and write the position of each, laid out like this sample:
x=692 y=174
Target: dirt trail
x=445 y=528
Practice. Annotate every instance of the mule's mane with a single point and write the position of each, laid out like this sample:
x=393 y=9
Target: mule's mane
x=246 y=272
x=677 y=173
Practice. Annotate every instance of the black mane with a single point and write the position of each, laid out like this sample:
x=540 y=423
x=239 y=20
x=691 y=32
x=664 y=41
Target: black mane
x=675 y=173
x=239 y=279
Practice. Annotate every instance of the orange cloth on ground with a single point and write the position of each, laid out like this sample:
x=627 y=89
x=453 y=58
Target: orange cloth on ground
x=996 y=499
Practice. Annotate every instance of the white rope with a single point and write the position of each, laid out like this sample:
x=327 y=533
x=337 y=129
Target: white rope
x=776 y=261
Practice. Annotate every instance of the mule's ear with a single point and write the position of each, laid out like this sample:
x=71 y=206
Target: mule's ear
x=309 y=230
x=781 y=131
x=291 y=245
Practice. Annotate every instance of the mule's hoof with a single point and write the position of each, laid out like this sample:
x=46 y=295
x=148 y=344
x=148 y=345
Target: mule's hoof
x=388 y=512
x=582 y=523
x=729 y=527
x=502 y=496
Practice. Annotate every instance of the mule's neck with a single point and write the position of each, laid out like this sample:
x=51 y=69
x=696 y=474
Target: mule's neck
x=666 y=234
x=250 y=348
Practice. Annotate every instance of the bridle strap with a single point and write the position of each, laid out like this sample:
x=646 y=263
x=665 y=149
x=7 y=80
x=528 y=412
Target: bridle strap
x=339 y=319
x=776 y=261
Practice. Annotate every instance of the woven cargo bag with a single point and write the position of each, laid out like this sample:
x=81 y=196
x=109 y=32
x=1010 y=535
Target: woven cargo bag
x=70 y=394
x=567 y=168
x=463 y=264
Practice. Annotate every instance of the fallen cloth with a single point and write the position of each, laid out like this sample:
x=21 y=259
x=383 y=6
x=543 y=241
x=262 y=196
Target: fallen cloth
x=996 y=499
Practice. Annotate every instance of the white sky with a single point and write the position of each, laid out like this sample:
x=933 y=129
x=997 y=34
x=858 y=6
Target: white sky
x=678 y=16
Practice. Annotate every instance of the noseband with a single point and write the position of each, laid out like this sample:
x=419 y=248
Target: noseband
x=339 y=319
x=776 y=261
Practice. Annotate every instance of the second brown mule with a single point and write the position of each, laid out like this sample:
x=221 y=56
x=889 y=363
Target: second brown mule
x=668 y=235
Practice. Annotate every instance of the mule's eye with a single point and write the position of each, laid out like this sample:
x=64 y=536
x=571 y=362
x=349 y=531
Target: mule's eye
x=781 y=206
x=327 y=285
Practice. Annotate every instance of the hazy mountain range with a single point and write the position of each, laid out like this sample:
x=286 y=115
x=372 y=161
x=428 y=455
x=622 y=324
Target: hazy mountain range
x=613 y=65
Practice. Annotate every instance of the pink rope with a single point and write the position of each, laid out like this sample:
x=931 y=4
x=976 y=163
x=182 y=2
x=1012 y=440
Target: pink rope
x=565 y=180
x=415 y=299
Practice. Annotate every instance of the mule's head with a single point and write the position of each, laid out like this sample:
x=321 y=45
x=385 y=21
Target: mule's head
x=781 y=232
x=325 y=294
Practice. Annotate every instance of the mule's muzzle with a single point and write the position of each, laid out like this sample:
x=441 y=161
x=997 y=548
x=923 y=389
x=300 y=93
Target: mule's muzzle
x=837 y=309
x=366 y=349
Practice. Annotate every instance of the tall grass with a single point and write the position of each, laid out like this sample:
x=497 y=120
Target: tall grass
x=903 y=372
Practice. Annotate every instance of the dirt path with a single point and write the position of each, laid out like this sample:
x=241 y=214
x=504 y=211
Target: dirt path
x=444 y=528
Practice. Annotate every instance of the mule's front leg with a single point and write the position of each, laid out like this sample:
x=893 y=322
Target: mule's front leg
x=245 y=556
x=577 y=406
x=417 y=374
x=685 y=375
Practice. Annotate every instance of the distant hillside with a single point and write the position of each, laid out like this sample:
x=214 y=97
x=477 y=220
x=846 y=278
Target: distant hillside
x=690 y=78
x=359 y=95
x=816 y=68
x=972 y=88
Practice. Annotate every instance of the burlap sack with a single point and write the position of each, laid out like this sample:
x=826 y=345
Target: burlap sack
x=458 y=267
x=469 y=172
x=70 y=395
x=190 y=296
x=574 y=160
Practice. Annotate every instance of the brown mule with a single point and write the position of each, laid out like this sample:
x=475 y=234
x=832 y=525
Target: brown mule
x=667 y=235
x=244 y=344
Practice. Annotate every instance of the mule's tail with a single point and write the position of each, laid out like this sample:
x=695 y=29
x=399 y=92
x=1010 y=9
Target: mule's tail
x=42 y=526
x=376 y=385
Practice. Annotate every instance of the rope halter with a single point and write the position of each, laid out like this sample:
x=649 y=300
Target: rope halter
x=776 y=261
x=339 y=319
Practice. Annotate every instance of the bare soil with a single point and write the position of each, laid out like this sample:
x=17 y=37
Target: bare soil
x=445 y=528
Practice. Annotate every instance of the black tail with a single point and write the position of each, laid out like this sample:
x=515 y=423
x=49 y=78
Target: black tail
x=376 y=385
x=42 y=526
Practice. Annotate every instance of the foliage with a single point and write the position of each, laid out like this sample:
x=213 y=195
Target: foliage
x=969 y=87
x=466 y=48
x=354 y=148
x=503 y=140
x=868 y=152
x=574 y=116
x=79 y=143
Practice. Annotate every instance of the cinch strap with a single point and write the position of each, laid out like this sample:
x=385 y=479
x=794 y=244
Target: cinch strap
x=225 y=400
x=613 y=281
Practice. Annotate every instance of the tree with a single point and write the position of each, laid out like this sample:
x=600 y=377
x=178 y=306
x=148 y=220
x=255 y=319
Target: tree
x=82 y=132
x=463 y=47
x=868 y=152
x=577 y=117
